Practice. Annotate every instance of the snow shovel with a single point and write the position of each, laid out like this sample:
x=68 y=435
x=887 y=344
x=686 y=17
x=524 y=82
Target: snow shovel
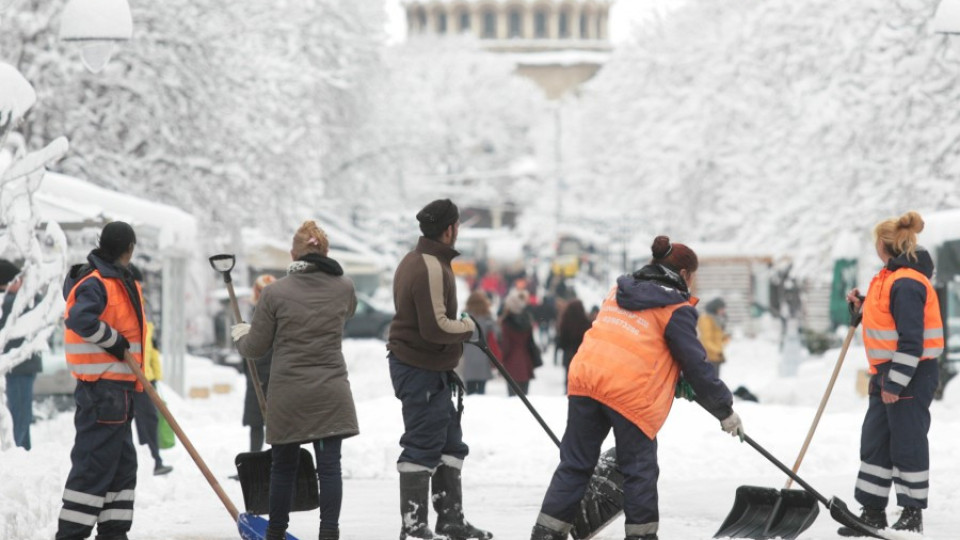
x=250 y=527
x=795 y=520
x=253 y=468
x=603 y=501
x=760 y=512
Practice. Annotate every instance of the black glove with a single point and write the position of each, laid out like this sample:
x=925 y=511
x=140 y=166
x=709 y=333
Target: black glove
x=119 y=347
x=856 y=315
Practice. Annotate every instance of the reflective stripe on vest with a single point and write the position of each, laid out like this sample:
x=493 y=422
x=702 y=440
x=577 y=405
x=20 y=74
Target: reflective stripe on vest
x=90 y=362
x=624 y=363
x=880 y=336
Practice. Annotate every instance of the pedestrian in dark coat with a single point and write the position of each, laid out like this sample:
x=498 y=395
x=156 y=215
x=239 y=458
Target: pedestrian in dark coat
x=425 y=344
x=476 y=366
x=20 y=379
x=903 y=336
x=251 y=405
x=573 y=325
x=309 y=400
x=520 y=352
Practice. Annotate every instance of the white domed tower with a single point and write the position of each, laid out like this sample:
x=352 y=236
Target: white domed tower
x=559 y=44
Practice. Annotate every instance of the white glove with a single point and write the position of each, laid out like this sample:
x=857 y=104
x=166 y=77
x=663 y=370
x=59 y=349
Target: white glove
x=239 y=330
x=733 y=425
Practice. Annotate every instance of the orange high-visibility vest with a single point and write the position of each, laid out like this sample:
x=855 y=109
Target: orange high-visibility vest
x=90 y=362
x=880 y=334
x=624 y=363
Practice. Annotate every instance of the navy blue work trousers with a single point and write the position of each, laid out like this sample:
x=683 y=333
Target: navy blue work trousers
x=103 y=476
x=588 y=423
x=893 y=442
x=431 y=422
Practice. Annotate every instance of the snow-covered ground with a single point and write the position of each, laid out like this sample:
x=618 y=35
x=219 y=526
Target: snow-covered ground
x=511 y=458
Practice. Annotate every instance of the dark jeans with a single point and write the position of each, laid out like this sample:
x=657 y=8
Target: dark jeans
x=145 y=414
x=476 y=387
x=430 y=420
x=20 y=403
x=588 y=423
x=524 y=387
x=283 y=478
x=103 y=476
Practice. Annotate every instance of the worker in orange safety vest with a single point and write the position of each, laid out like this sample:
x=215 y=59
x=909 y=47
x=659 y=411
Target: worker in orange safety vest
x=104 y=319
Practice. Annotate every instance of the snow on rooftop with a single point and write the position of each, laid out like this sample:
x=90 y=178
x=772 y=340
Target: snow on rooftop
x=939 y=227
x=67 y=199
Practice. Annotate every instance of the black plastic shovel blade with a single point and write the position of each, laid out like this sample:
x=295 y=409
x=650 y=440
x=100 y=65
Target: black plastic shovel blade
x=842 y=515
x=794 y=513
x=760 y=512
x=253 y=470
x=603 y=501
x=752 y=508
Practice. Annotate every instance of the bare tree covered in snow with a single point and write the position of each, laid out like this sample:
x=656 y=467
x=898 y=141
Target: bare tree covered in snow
x=228 y=109
x=779 y=124
x=443 y=109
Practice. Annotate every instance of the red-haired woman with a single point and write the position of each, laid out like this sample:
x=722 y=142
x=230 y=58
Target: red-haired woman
x=623 y=377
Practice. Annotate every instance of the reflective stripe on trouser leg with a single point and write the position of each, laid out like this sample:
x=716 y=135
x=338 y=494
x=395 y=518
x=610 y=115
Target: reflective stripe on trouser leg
x=909 y=447
x=102 y=479
x=876 y=469
x=587 y=427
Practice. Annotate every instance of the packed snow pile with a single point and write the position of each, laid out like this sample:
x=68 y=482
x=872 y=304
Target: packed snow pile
x=511 y=458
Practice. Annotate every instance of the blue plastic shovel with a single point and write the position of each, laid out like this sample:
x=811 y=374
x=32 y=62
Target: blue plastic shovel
x=251 y=527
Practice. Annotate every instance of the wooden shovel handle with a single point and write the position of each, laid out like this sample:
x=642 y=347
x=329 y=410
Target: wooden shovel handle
x=162 y=407
x=251 y=364
x=823 y=403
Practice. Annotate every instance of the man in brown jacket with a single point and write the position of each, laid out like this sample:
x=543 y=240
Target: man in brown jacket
x=426 y=342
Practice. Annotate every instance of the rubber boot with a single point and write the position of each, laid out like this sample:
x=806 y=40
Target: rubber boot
x=545 y=533
x=874 y=517
x=329 y=534
x=275 y=533
x=414 y=505
x=644 y=537
x=448 y=502
x=911 y=520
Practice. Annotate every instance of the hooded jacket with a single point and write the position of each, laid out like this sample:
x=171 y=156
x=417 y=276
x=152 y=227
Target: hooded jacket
x=644 y=337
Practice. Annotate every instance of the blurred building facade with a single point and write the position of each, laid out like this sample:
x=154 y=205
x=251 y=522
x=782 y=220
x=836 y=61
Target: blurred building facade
x=559 y=44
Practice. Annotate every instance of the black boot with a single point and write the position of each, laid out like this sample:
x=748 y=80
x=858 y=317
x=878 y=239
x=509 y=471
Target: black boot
x=644 y=537
x=545 y=533
x=414 y=505
x=329 y=534
x=448 y=502
x=276 y=533
x=911 y=519
x=874 y=517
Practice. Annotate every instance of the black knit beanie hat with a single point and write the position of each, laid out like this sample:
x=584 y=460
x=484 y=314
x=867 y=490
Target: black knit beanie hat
x=115 y=239
x=435 y=217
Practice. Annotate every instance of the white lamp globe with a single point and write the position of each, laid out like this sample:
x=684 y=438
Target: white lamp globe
x=97 y=26
x=947 y=18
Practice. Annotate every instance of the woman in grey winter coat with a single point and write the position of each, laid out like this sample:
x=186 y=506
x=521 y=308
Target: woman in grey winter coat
x=476 y=365
x=309 y=401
